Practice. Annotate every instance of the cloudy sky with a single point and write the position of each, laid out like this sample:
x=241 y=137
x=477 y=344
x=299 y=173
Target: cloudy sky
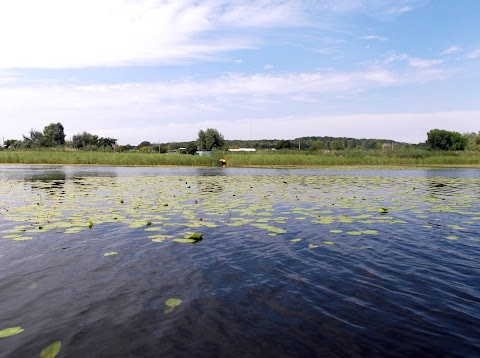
x=160 y=70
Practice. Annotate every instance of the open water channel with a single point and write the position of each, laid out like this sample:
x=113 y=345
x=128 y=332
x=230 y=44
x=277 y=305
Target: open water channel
x=293 y=263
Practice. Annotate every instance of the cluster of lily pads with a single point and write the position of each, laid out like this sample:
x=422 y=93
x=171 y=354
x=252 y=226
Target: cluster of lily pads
x=177 y=209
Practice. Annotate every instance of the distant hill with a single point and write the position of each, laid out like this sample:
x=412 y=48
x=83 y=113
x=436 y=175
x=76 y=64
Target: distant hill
x=310 y=143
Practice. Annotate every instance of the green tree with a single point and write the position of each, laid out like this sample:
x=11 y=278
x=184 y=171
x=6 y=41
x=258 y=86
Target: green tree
x=283 y=144
x=445 y=140
x=84 y=140
x=191 y=148
x=106 y=142
x=201 y=144
x=210 y=139
x=145 y=143
x=34 y=140
x=9 y=142
x=473 y=141
x=336 y=144
x=54 y=135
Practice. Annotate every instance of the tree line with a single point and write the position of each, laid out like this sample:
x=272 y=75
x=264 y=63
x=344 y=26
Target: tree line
x=53 y=135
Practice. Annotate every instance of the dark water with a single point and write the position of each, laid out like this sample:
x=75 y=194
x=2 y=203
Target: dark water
x=412 y=288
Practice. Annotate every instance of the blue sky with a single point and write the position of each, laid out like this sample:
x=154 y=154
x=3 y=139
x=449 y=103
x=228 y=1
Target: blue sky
x=161 y=70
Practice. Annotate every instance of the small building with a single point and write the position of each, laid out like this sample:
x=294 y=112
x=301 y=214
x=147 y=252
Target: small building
x=242 y=150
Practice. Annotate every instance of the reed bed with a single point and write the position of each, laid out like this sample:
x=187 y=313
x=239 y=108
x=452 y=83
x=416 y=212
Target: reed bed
x=412 y=157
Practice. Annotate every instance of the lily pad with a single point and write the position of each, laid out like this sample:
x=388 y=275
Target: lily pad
x=110 y=253
x=7 y=332
x=312 y=246
x=328 y=243
x=336 y=231
x=296 y=240
x=52 y=350
x=184 y=241
x=173 y=302
x=196 y=236
x=383 y=210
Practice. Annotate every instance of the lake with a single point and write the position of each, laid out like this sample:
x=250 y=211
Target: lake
x=293 y=262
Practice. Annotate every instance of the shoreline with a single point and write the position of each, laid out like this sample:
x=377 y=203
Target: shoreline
x=313 y=166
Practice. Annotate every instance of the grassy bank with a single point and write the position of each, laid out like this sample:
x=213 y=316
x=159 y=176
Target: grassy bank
x=412 y=157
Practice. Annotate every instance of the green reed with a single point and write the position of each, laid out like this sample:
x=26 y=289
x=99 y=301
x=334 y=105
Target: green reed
x=406 y=157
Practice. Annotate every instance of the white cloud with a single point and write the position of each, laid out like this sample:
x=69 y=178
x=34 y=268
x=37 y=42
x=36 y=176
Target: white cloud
x=91 y=33
x=71 y=34
x=419 y=63
x=423 y=63
x=451 y=50
x=268 y=67
x=376 y=8
x=373 y=37
x=474 y=54
x=113 y=109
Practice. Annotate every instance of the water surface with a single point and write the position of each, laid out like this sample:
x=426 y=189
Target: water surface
x=353 y=282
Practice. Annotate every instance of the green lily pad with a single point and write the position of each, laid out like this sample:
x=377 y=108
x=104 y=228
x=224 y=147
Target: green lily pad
x=173 y=302
x=52 y=350
x=184 y=241
x=296 y=240
x=328 y=243
x=451 y=237
x=336 y=231
x=383 y=210
x=354 y=233
x=110 y=253
x=196 y=236
x=7 y=332
x=370 y=232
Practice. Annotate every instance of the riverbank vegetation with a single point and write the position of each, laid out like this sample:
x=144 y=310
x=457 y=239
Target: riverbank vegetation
x=265 y=158
x=442 y=148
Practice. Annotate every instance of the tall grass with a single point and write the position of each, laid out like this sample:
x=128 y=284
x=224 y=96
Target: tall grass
x=103 y=158
x=407 y=157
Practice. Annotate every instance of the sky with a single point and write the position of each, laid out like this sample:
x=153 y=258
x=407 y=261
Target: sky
x=161 y=70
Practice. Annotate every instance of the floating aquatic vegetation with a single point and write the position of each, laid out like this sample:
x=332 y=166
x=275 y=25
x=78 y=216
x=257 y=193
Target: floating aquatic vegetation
x=328 y=243
x=171 y=303
x=52 y=350
x=452 y=237
x=223 y=202
x=7 y=332
x=296 y=240
x=190 y=238
x=312 y=246
x=111 y=253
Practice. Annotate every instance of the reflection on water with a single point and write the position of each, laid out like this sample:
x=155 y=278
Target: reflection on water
x=293 y=263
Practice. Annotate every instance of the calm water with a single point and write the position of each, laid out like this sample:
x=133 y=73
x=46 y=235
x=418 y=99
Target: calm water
x=353 y=282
